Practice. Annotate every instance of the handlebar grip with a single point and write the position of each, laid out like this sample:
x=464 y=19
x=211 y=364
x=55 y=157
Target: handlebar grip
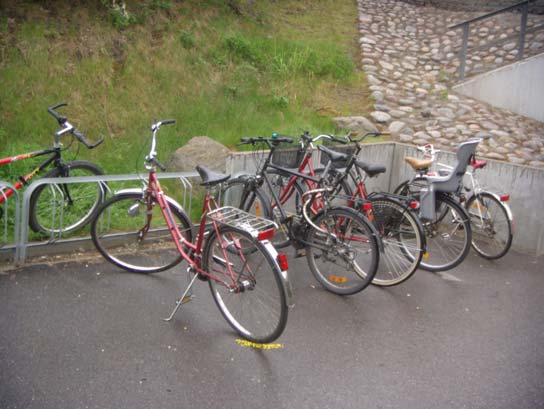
x=61 y=119
x=245 y=140
x=282 y=140
x=339 y=140
x=80 y=137
x=168 y=122
x=159 y=164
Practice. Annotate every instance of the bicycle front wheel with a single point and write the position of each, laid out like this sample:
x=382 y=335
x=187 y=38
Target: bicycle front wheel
x=403 y=241
x=136 y=238
x=343 y=255
x=448 y=236
x=491 y=226
x=66 y=207
x=245 y=284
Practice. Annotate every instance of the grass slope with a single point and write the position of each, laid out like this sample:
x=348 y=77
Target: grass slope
x=250 y=69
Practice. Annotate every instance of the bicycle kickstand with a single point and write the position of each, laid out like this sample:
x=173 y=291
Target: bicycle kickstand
x=184 y=299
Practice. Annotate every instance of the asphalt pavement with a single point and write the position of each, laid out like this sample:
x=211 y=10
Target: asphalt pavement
x=83 y=334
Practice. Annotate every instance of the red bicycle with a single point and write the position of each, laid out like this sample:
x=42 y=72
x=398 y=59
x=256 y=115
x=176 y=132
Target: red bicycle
x=399 y=228
x=145 y=231
x=62 y=207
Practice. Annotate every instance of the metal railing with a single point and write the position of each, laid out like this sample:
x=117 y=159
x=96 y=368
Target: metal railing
x=465 y=25
x=15 y=202
x=19 y=244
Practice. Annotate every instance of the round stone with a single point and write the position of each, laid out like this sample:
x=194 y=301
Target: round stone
x=381 y=117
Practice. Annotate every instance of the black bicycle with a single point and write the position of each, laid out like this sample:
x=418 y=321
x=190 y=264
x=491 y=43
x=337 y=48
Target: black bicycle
x=60 y=208
x=341 y=245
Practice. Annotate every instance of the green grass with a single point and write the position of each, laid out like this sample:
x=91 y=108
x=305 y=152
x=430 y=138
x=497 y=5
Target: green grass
x=282 y=66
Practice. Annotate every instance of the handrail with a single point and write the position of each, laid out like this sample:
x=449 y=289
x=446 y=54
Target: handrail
x=524 y=5
x=491 y=14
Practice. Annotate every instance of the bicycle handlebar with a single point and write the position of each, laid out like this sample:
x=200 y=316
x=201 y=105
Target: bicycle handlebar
x=68 y=127
x=274 y=140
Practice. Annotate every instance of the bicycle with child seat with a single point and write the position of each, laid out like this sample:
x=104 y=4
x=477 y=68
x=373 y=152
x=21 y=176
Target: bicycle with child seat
x=490 y=216
x=399 y=229
x=340 y=245
x=145 y=231
x=446 y=222
x=62 y=207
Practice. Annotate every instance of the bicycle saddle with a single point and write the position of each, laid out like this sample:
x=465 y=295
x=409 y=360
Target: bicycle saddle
x=209 y=177
x=370 y=169
x=333 y=155
x=418 y=164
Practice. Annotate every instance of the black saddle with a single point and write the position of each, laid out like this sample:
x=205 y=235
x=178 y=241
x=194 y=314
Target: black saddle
x=342 y=158
x=209 y=177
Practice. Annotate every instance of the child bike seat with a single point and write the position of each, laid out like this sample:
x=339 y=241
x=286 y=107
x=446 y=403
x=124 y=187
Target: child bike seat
x=209 y=177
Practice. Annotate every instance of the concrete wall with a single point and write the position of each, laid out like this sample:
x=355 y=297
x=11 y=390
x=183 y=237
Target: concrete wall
x=518 y=87
x=524 y=184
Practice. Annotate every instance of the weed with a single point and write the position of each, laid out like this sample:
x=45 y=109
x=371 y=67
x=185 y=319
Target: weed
x=187 y=39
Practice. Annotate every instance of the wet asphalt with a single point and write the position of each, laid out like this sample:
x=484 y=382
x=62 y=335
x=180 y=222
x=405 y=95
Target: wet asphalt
x=83 y=334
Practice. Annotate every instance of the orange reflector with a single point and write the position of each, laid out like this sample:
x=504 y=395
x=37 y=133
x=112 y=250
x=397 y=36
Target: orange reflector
x=367 y=206
x=282 y=261
x=265 y=234
x=426 y=255
x=337 y=279
x=504 y=198
x=257 y=208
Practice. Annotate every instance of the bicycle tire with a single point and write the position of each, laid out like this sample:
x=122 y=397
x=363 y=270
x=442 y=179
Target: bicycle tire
x=403 y=241
x=258 y=313
x=491 y=226
x=340 y=267
x=75 y=213
x=448 y=236
x=116 y=227
x=291 y=205
x=400 y=231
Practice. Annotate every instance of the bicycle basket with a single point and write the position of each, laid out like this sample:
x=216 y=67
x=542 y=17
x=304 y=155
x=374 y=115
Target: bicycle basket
x=288 y=158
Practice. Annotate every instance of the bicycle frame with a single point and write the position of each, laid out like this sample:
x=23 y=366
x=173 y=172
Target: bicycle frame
x=23 y=180
x=193 y=256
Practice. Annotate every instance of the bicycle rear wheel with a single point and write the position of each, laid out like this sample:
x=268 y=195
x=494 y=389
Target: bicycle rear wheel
x=403 y=241
x=448 y=236
x=344 y=256
x=249 y=292
x=118 y=232
x=64 y=208
x=491 y=226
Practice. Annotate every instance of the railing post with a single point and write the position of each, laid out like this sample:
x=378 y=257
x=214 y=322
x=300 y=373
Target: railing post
x=523 y=29
x=463 y=53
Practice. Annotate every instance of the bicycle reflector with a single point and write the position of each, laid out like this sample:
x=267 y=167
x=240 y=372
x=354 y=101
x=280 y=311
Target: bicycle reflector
x=367 y=206
x=504 y=197
x=265 y=234
x=282 y=262
x=414 y=204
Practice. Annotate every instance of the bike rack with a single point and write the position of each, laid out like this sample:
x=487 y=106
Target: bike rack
x=3 y=186
x=22 y=207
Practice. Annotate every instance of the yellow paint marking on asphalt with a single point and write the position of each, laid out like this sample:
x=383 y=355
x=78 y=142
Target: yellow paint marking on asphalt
x=255 y=345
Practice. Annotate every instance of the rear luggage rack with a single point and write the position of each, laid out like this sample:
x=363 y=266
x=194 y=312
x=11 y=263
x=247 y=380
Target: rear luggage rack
x=233 y=217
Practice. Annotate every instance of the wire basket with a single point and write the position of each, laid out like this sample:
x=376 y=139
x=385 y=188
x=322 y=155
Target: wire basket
x=231 y=216
x=288 y=158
